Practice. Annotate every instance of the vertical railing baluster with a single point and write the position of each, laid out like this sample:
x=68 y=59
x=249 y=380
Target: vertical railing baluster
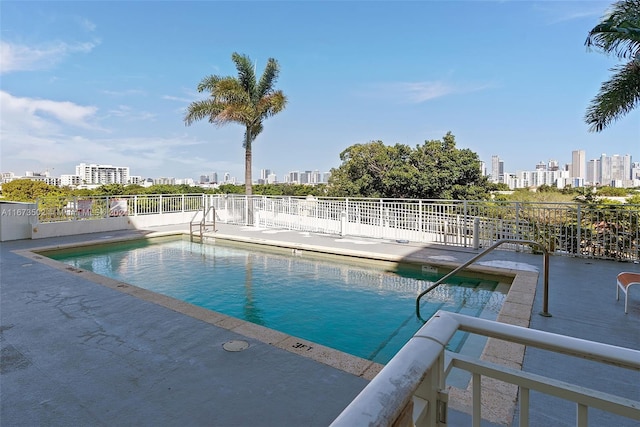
x=524 y=407
x=476 y=399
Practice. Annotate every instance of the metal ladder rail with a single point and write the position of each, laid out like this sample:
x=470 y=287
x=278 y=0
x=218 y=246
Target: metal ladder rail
x=202 y=223
x=545 y=267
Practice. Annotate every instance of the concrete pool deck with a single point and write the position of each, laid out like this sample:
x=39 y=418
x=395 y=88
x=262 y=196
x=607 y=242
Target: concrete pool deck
x=75 y=352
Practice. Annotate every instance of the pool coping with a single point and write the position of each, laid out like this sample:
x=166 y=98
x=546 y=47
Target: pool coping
x=499 y=399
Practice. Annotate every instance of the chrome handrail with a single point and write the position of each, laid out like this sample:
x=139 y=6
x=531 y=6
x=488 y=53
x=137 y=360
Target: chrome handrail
x=545 y=267
x=203 y=221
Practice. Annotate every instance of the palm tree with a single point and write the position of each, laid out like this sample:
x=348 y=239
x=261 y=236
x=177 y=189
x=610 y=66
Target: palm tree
x=240 y=100
x=617 y=33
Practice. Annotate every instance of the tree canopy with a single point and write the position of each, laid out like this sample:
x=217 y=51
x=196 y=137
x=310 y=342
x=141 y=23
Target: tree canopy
x=618 y=33
x=433 y=170
x=27 y=190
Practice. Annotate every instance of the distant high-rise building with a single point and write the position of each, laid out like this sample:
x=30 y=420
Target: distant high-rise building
x=578 y=164
x=497 y=169
x=102 y=174
x=293 y=177
x=164 y=180
x=553 y=165
x=635 y=170
x=615 y=168
x=594 y=172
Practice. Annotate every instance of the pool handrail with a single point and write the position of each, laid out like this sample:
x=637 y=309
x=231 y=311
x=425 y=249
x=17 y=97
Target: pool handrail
x=545 y=267
x=203 y=222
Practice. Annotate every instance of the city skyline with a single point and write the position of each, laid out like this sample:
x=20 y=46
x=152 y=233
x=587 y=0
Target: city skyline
x=96 y=81
x=495 y=170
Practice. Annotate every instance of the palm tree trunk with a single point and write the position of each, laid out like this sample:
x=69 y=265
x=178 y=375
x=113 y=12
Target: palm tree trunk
x=248 y=189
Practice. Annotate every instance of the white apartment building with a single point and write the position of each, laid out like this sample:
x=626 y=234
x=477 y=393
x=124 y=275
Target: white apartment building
x=102 y=174
x=67 y=180
x=527 y=179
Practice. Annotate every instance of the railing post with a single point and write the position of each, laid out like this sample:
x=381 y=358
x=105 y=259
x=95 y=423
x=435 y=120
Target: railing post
x=545 y=302
x=160 y=205
x=444 y=231
x=107 y=211
x=246 y=210
x=75 y=208
x=517 y=225
x=464 y=223
x=182 y=203
x=135 y=205
x=345 y=218
x=578 y=230
x=381 y=220
x=420 y=218
x=476 y=233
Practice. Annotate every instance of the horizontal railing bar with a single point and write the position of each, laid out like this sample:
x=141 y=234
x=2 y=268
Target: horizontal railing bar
x=574 y=393
x=606 y=353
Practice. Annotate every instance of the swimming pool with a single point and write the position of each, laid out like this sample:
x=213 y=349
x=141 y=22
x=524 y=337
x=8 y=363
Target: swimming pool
x=364 y=309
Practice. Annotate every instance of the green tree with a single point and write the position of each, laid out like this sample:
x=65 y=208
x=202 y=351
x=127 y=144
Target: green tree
x=110 y=190
x=634 y=199
x=241 y=100
x=617 y=33
x=612 y=191
x=434 y=170
x=230 y=189
x=27 y=190
x=371 y=170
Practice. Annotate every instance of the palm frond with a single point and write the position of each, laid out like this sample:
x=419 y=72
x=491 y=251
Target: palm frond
x=619 y=32
x=268 y=78
x=271 y=104
x=246 y=73
x=209 y=83
x=199 y=110
x=617 y=97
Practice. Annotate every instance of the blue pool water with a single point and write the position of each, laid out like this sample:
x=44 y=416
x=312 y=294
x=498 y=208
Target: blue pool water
x=361 y=309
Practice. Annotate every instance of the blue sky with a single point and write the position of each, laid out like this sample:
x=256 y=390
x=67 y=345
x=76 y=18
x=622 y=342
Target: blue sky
x=109 y=82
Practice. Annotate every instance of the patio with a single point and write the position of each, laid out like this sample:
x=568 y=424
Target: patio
x=75 y=352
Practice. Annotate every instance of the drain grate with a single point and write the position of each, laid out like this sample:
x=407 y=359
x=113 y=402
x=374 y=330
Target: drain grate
x=235 y=345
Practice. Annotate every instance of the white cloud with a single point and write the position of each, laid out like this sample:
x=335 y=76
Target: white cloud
x=562 y=12
x=31 y=113
x=419 y=92
x=176 y=98
x=424 y=91
x=130 y=114
x=16 y=57
x=39 y=134
x=125 y=92
x=85 y=23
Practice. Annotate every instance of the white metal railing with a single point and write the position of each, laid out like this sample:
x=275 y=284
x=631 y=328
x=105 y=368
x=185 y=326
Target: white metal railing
x=603 y=232
x=593 y=231
x=411 y=388
x=55 y=209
